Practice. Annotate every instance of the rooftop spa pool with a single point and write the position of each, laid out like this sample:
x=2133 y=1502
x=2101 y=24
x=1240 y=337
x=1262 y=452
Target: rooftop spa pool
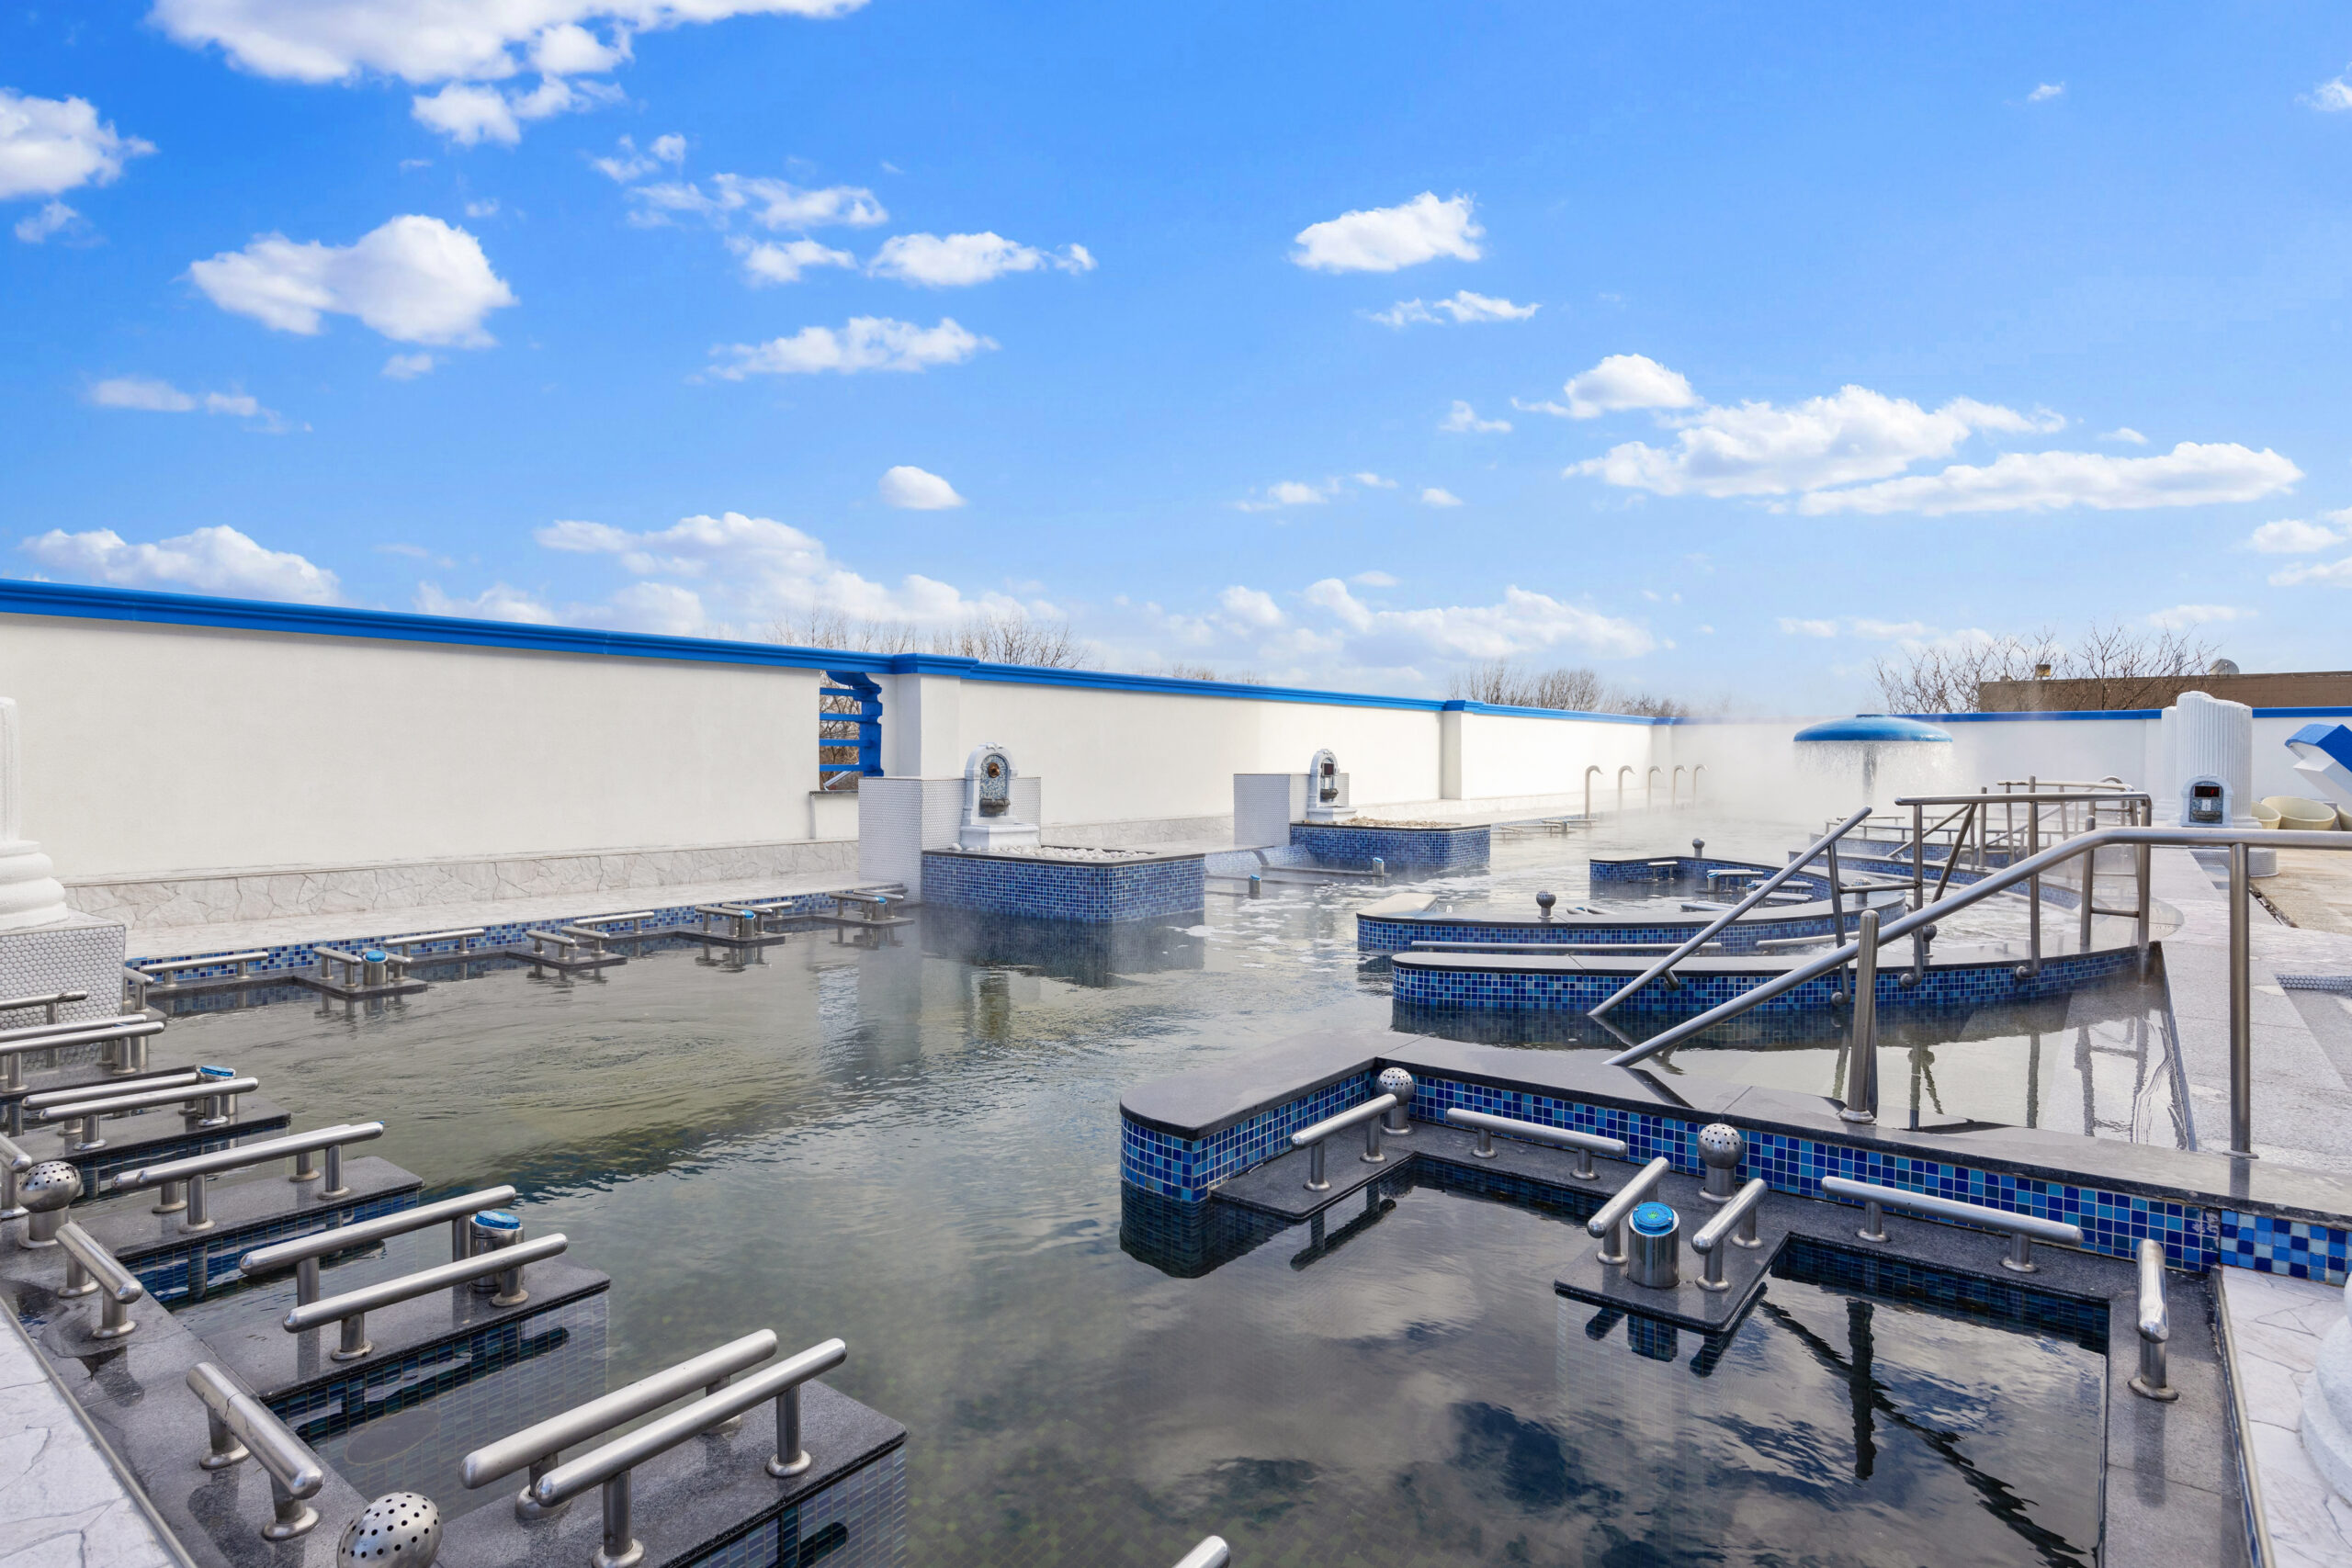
x=916 y=1147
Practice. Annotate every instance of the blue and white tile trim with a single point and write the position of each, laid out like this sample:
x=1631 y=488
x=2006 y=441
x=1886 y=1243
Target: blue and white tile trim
x=1093 y=892
x=294 y=958
x=1396 y=933
x=1420 y=981
x=1405 y=849
x=2195 y=1237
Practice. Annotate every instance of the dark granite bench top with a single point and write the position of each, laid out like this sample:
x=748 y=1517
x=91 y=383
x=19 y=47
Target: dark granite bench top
x=1198 y=1104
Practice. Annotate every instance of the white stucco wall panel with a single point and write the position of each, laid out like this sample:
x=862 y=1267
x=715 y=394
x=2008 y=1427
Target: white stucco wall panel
x=163 y=748
x=1507 y=755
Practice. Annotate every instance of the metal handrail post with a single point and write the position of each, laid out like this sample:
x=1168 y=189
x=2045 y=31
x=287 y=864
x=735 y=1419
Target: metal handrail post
x=2090 y=886
x=1588 y=772
x=304 y=1251
x=2023 y=1229
x=1836 y=897
x=2033 y=890
x=1586 y=1144
x=2240 y=1007
x=90 y=1267
x=351 y=1309
x=242 y=1425
x=14 y=1163
x=1709 y=1243
x=1608 y=1226
x=2155 y=1325
x=1755 y=896
x=2140 y=932
x=1311 y=1138
x=1862 y=1072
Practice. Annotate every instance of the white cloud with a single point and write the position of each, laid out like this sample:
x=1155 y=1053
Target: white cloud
x=486 y=209
x=1463 y=307
x=783 y=261
x=1523 y=623
x=1465 y=419
x=414 y=280
x=956 y=261
x=2189 y=475
x=2332 y=96
x=150 y=395
x=2045 y=92
x=48 y=146
x=1383 y=239
x=1625 y=381
x=408 y=366
x=2197 y=615
x=631 y=164
x=918 y=489
x=741 y=573
x=2294 y=537
x=1373 y=481
x=496 y=603
x=1436 y=497
x=53 y=217
x=2125 y=435
x=1889 y=631
x=1290 y=492
x=866 y=342
x=1759 y=448
x=215 y=560
x=771 y=204
x=1794 y=628
x=2336 y=572
x=1372 y=579
x=1250 y=607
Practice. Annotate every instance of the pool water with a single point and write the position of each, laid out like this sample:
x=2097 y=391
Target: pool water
x=918 y=1151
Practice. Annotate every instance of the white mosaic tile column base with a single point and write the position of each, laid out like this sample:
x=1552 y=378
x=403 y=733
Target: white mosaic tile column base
x=80 y=952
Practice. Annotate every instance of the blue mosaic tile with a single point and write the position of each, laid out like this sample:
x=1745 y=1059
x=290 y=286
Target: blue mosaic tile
x=2300 y=1249
x=1097 y=893
x=1405 y=849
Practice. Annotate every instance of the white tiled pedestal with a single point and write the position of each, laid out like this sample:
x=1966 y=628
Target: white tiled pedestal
x=80 y=952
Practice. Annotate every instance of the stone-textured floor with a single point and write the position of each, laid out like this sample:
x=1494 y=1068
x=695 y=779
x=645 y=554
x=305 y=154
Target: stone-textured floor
x=62 y=1505
x=2314 y=889
x=2277 y=1324
x=2302 y=1074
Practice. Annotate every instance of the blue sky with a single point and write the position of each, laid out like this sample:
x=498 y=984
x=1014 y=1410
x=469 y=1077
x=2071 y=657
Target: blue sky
x=1815 y=331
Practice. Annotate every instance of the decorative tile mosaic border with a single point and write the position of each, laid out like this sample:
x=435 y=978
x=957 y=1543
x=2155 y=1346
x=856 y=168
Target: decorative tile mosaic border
x=2195 y=1237
x=1396 y=933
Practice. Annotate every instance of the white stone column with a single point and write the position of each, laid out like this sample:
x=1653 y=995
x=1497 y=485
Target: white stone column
x=30 y=895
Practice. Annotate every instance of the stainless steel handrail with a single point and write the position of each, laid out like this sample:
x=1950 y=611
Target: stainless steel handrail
x=89 y=1267
x=14 y=1163
x=1311 y=1138
x=1586 y=1144
x=16 y=1043
x=131 y=1099
x=2240 y=1022
x=1755 y=896
x=165 y=1079
x=193 y=1168
x=2155 y=1324
x=351 y=1308
x=1211 y=1553
x=50 y=1000
x=155 y=969
x=462 y=935
x=304 y=1252
x=1609 y=1225
x=2023 y=1229
x=1740 y=1212
x=540 y=1446
x=609 y=1466
x=241 y=1425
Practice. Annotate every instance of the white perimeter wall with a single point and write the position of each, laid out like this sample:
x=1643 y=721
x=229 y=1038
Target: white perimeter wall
x=157 y=748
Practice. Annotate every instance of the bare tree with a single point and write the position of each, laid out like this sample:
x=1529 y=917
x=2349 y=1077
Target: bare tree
x=1011 y=638
x=1576 y=690
x=819 y=628
x=1177 y=669
x=2127 y=668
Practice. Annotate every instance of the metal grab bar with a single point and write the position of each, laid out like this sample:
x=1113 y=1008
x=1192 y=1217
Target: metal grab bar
x=592 y=921
x=304 y=1251
x=1211 y=1553
x=241 y=1425
x=90 y=1267
x=2024 y=1230
x=14 y=1163
x=132 y=1099
x=1609 y=1223
x=609 y=1466
x=2155 y=1325
x=165 y=1079
x=1740 y=1211
x=193 y=1168
x=540 y=1446
x=2241 y=1019
x=14 y=1042
x=1586 y=1144
x=155 y=969
x=1756 y=896
x=1311 y=1138
x=460 y=936
x=351 y=1308
x=50 y=1000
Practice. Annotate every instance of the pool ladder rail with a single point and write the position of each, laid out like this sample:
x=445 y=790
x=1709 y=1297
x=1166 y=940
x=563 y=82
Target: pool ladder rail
x=185 y=1181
